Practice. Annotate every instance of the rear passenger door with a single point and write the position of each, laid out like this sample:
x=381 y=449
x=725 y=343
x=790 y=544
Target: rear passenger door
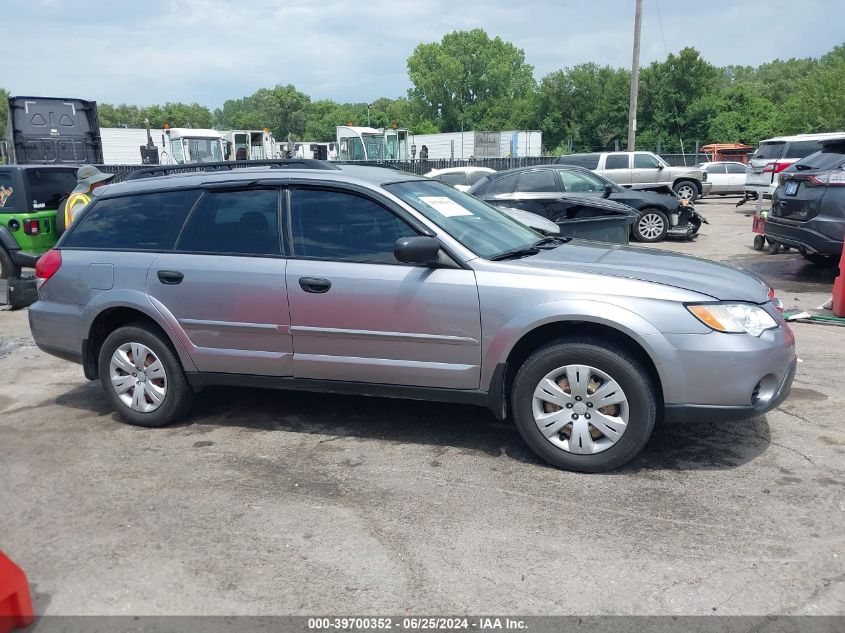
x=224 y=284
x=617 y=167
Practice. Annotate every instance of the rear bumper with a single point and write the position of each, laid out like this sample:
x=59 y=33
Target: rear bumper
x=761 y=190
x=803 y=236
x=55 y=328
x=23 y=259
x=714 y=413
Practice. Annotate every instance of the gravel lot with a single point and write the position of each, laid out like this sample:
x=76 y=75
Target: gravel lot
x=286 y=503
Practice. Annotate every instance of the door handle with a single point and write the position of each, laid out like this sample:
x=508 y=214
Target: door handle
x=170 y=277
x=316 y=285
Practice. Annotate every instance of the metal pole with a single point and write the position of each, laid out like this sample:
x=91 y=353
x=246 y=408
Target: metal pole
x=368 y=115
x=635 y=78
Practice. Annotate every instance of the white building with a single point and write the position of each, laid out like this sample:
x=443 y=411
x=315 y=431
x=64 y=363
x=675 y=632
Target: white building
x=472 y=144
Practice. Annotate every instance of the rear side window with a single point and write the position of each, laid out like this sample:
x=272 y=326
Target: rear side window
x=47 y=187
x=147 y=222
x=588 y=161
x=802 y=149
x=537 y=181
x=8 y=198
x=234 y=222
x=770 y=151
x=502 y=185
x=616 y=161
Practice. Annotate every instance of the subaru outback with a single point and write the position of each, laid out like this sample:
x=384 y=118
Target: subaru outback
x=372 y=281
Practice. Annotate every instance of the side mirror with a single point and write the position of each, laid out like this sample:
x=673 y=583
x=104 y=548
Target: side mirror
x=660 y=166
x=608 y=189
x=421 y=249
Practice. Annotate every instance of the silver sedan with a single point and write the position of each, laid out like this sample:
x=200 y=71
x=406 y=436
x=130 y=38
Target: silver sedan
x=727 y=176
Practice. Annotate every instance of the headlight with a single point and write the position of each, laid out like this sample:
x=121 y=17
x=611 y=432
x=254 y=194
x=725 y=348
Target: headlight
x=734 y=317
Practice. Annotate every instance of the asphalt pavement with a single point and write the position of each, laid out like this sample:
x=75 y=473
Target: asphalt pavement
x=268 y=502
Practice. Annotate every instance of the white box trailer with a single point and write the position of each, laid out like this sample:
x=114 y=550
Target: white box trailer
x=474 y=144
x=122 y=146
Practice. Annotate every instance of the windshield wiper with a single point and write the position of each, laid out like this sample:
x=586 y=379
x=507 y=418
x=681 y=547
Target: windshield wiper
x=544 y=244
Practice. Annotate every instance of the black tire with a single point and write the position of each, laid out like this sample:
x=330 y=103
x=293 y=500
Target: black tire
x=178 y=396
x=819 y=259
x=647 y=216
x=7 y=267
x=686 y=189
x=695 y=227
x=773 y=248
x=617 y=363
x=759 y=242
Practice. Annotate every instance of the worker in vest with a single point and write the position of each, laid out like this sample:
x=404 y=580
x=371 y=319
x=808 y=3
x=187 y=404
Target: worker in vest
x=88 y=178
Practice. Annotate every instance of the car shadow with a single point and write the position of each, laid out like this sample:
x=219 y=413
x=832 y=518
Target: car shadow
x=788 y=272
x=673 y=446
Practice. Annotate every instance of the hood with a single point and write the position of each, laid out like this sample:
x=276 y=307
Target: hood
x=692 y=172
x=720 y=281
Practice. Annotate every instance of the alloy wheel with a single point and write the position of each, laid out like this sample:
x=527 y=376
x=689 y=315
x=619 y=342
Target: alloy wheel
x=650 y=226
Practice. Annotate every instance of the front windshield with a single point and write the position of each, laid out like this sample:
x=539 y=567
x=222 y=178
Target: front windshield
x=374 y=145
x=203 y=150
x=483 y=229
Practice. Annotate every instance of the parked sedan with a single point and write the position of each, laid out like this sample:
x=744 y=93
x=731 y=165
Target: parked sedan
x=726 y=176
x=461 y=178
x=561 y=186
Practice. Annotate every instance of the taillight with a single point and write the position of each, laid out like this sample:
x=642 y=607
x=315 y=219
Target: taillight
x=47 y=265
x=31 y=227
x=775 y=167
x=833 y=178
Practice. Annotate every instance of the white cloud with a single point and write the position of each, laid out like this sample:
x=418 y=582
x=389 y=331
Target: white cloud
x=212 y=50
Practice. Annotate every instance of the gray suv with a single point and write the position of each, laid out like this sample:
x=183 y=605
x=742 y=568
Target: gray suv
x=373 y=281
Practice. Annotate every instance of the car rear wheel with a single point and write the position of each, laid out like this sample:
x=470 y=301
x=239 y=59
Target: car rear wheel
x=686 y=190
x=651 y=226
x=7 y=266
x=584 y=405
x=142 y=376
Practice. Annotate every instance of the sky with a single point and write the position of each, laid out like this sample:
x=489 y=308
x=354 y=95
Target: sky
x=208 y=51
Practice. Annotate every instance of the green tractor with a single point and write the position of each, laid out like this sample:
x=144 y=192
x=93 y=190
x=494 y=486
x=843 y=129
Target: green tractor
x=29 y=198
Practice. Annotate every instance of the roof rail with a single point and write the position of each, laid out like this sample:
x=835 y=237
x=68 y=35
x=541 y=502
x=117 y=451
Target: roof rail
x=281 y=163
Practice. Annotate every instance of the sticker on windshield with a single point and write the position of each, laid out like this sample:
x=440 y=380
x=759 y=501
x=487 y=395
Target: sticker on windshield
x=445 y=206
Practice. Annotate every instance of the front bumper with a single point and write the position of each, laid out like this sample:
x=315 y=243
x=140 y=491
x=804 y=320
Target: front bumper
x=706 y=187
x=802 y=235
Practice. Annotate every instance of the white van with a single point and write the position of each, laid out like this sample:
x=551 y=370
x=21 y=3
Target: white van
x=776 y=154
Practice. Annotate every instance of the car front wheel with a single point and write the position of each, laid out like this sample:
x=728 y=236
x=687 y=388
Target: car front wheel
x=584 y=405
x=142 y=376
x=651 y=226
x=686 y=190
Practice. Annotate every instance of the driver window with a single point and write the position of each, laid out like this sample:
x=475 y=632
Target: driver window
x=575 y=182
x=644 y=161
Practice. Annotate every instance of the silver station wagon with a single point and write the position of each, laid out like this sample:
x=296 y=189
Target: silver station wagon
x=373 y=281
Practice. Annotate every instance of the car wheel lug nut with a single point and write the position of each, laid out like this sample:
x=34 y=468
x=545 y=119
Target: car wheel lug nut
x=590 y=404
x=587 y=415
x=574 y=416
x=578 y=398
x=568 y=405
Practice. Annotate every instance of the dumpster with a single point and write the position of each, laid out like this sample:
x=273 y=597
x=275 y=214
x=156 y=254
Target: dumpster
x=578 y=216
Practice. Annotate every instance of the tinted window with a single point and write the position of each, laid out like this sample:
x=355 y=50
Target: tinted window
x=239 y=222
x=644 y=161
x=342 y=226
x=802 y=149
x=715 y=169
x=832 y=157
x=8 y=198
x=142 y=222
x=537 y=181
x=616 y=161
x=47 y=187
x=455 y=178
x=588 y=161
x=580 y=182
x=502 y=185
x=769 y=150
x=734 y=168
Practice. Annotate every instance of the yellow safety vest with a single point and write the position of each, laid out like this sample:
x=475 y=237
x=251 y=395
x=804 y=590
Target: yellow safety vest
x=74 y=205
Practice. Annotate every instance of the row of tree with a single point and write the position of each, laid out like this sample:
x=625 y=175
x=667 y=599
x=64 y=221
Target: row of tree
x=471 y=81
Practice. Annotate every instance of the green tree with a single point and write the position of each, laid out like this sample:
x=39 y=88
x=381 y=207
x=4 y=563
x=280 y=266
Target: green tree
x=735 y=115
x=283 y=109
x=4 y=112
x=467 y=79
x=174 y=114
x=817 y=104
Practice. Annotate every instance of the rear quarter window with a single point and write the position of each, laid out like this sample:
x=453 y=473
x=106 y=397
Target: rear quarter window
x=769 y=151
x=148 y=222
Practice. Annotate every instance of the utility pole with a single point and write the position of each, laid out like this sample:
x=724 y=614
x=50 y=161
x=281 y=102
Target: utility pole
x=635 y=78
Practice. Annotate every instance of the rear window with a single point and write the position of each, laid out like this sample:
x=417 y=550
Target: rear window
x=453 y=178
x=148 y=222
x=47 y=187
x=588 y=161
x=769 y=151
x=802 y=149
x=831 y=157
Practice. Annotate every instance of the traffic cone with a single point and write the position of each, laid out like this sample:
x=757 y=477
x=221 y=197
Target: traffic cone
x=838 y=306
x=15 y=604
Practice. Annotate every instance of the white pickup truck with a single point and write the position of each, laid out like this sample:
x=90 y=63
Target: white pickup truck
x=643 y=168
